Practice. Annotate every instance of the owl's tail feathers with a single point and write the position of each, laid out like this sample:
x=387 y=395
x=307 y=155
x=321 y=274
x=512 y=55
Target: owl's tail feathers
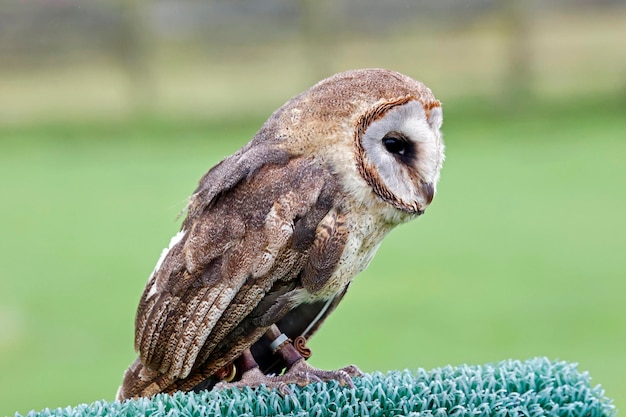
x=140 y=381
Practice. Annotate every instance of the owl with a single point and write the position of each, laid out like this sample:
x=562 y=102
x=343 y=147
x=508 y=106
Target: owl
x=275 y=233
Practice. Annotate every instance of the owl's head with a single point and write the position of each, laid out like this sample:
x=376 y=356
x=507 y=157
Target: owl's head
x=377 y=129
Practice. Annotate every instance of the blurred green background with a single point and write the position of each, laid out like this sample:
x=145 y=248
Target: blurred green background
x=111 y=111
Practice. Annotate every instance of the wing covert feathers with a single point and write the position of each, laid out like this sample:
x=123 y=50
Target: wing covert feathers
x=330 y=240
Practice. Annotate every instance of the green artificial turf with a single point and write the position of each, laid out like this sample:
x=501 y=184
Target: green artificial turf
x=535 y=388
x=520 y=255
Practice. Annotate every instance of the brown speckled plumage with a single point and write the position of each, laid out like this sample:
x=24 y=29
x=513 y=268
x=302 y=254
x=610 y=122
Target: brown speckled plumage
x=275 y=233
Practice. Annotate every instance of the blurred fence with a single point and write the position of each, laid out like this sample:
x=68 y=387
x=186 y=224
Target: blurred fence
x=72 y=58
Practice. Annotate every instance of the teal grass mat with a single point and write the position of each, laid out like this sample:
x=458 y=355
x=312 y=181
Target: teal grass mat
x=536 y=387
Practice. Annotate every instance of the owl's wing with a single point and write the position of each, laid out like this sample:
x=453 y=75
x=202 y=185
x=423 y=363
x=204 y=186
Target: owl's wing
x=245 y=240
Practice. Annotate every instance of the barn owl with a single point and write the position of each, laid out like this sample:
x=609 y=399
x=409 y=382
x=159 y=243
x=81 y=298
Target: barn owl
x=275 y=233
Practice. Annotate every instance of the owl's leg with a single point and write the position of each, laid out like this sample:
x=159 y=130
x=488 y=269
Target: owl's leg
x=299 y=371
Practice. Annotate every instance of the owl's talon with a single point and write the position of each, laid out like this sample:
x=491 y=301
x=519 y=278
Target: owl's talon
x=301 y=373
x=254 y=378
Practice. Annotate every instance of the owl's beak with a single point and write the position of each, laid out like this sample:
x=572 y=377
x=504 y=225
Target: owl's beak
x=428 y=191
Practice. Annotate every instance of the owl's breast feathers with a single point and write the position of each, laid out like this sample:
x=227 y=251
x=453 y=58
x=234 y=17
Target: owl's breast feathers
x=251 y=250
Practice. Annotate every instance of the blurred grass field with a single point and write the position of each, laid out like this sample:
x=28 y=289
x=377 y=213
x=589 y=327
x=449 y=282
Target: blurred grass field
x=520 y=255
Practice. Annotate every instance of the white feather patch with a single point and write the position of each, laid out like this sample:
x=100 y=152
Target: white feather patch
x=173 y=241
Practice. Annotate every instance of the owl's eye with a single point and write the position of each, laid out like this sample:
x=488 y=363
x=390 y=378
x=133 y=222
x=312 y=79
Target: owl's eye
x=396 y=143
